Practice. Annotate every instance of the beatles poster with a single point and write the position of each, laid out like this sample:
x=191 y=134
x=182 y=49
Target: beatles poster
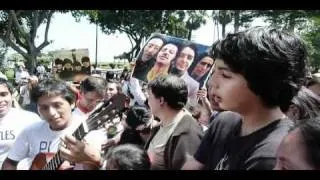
x=163 y=54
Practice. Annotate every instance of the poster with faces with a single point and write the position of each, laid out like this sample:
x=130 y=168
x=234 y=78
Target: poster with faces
x=163 y=54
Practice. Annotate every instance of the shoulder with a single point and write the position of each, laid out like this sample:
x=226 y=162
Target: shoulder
x=224 y=124
x=191 y=80
x=188 y=125
x=34 y=127
x=227 y=118
x=26 y=115
x=271 y=139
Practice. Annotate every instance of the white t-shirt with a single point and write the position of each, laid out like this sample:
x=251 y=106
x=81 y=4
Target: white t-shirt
x=135 y=89
x=11 y=126
x=39 y=138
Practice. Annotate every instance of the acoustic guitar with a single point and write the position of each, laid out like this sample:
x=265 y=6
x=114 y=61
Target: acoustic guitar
x=104 y=112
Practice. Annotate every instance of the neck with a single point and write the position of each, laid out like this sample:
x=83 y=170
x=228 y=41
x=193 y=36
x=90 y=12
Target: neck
x=177 y=72
x=195 y=76
x=159 y=66
x=258 y=117
x=82 y=108
x=61 y=128
x=167 y=116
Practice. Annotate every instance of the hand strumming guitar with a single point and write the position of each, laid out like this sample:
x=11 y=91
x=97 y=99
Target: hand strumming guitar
x=80 y=152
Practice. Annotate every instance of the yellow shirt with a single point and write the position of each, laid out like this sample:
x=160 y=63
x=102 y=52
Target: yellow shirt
x=155 y=72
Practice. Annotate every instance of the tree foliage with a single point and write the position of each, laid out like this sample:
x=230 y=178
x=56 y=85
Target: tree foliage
x=140 y=24
x=312 y=38
x=3 y=52
x=18 y=29
x=289 y=20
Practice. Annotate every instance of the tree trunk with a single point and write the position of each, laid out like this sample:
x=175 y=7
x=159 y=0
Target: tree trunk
x=223 y=30
x=236 y=20
x=31 y=61
x=291 y=24
x=189 y=34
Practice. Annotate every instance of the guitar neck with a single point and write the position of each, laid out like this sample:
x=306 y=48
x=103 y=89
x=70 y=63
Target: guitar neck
x=106 y=112
x=57 y=161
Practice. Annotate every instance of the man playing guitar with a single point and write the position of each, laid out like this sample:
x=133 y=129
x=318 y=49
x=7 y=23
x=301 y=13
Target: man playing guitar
x=54 y=102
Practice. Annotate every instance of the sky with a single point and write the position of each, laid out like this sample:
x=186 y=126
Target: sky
x=66 y=33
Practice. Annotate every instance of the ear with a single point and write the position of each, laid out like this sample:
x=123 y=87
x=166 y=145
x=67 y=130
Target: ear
x=73 y=105
x=162 y=101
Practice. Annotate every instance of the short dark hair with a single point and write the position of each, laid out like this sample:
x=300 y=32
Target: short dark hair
x=128 y=157
x=310 y=131
x=172 y=88
x=92 y=83
x=52 y=87
x=138 y=115
x=6 y=84
x=85 y=59
x=272 y=61
x=58 y=61
x=66 y=61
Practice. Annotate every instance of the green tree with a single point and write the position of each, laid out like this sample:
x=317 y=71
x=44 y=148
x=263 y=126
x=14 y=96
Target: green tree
x=3 y=52
x=136 y=24
x=289 y=20
x=18 y=29
x=195 y=18
x=242 y=18
x=223 y=17
x=312 y=38
x=140 y=24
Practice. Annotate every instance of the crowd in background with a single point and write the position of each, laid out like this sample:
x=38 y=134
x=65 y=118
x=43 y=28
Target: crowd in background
x=259 y=109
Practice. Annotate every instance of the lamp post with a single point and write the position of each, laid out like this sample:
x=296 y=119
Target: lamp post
x=96 y=62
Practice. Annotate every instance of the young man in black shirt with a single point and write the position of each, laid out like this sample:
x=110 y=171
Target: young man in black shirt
x=256 y=71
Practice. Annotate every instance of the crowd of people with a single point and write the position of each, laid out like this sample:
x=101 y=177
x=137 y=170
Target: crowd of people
x=258 y=110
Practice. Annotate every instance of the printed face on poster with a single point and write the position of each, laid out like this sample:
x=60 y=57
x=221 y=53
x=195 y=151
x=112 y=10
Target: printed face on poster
x=163 y=54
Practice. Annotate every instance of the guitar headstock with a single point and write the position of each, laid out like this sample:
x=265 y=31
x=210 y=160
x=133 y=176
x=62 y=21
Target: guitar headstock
x=107 y=111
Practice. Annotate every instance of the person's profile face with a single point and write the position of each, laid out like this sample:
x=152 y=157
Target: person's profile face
x=90 y=99
x=151 y=49
x=185 y=59
x=292 y=153
x=5 y=100
x=203 y=66
x=167 y=53
x=230 y=90
x=153 y=102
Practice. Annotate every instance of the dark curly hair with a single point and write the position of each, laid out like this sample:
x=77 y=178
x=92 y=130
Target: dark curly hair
x=272 y=61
